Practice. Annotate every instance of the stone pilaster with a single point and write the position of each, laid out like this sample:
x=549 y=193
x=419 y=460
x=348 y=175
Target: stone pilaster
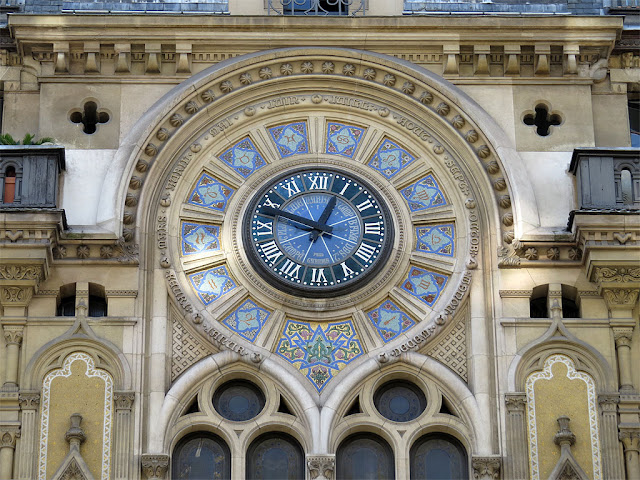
x=27 y=452
x=516 y=462
x=613 y=464
x=13 y=338
x=486 y=468
x=622 y=336
x=630 y=438
x=8 y=436
x=321 y=467
x=155 y=466
x=122 y=454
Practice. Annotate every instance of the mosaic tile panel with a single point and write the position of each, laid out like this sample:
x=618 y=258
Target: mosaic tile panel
x=424 y=194
x=243 y=157
x=390 y=158
x=247 y=320
x=210 y=193
x=424 y=285
x=438 y=239
x=343 y=139
x=290 y=139
x=319 y=351
x=211 y=284
x=389 y=320
x=198 y=238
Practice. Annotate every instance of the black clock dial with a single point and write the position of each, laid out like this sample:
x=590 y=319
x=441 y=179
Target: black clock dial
x=317 y=232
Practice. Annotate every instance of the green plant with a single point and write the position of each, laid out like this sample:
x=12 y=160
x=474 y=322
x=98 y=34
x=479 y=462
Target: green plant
x=7 y=139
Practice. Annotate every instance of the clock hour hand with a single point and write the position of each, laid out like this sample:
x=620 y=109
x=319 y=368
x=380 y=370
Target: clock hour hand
x=296 y=218
x=324 y=217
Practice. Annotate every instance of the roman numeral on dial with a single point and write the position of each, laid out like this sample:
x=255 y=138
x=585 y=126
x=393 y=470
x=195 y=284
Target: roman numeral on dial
x=318 y=183
x=365 y=252
x=291 y=269
x=271 y=251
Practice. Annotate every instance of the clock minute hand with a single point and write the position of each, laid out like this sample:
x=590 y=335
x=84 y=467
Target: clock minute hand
x=296 y=218
x=324 y=217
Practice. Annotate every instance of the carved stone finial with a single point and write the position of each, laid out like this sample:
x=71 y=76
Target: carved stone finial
x=556 y=309
x=155 y=466
x=321 y=467
x=81 y=309
x=564 y=436
x=75 y=435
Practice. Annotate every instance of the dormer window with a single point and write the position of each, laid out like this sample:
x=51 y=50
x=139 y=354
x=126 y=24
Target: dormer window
x=316 y=7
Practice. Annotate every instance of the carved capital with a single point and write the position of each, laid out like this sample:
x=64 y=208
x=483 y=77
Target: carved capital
x=16 y=296
x=321 y=467
x=13 y=334
x=155 y=466
x=124 y=400
x=622 y=336
x=8 y=435
x=29 y=400
x=630 y=438
x=486 y=468
x=515 y=402
x=618 y=298
x=608 y=401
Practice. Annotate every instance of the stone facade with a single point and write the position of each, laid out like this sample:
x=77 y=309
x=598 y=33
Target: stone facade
x=504 y=312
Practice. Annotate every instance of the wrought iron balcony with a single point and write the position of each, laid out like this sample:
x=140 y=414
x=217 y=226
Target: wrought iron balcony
x=317 y=7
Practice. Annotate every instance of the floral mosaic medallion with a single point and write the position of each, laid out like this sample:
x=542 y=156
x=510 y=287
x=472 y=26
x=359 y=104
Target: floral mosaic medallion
x=211 y=284
x=390 y=158
x=424 y=285
x=438 y=239
x=319 y=351
x=424 y=194
x=343 y=139
x=389 y=320
x=210 y=193
x=247 y=320
x=243 y=157
x=290 y=139
x=198 y=238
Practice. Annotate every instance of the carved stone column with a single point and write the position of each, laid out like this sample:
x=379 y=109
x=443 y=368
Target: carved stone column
x=27 y=452
x=516 y=462
x=486 y=468
x=122 y=458
x=613 y=465
x=321 y=467
x=630 y=437
x=622 y=336
x=13 y=338
x=155 y=466
x=8 y=436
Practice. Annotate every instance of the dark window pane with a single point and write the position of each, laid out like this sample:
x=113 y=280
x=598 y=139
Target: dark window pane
x=238 y=400
x=400 y=401
x=365 y=457
x=201 y=456
x=67 y=307
x=97 y=306
x=275 y=456
x=438 y=457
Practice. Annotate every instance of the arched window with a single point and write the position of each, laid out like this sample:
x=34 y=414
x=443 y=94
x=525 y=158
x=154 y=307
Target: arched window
x=97 y=301
x=275 y=456
x=364 y=456
x=538 y=303
x=437 y=456
x=570 y=307
x=201 y=455
x=67 y=301
x=9 y=185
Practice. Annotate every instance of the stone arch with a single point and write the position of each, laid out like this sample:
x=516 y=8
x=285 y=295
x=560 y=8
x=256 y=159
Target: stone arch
x=80 y=337
x=231 y=84
x=163 y=436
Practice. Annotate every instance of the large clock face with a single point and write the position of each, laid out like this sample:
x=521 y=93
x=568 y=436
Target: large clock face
x=317 y=232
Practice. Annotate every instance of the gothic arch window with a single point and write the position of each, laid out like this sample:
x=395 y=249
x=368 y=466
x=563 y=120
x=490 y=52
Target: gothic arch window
x=438 y=456
x=275 y=455
x=364 y=456
x=201 y=455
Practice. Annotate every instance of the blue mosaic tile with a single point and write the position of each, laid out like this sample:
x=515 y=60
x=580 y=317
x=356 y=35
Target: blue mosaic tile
x=320 y=350
x=390 y=158
x=243 y=157
x=210 y=193
x=389 y=320
x=198 y=238
x=212 y=284
x=247 y=320
x=438 y=239
x=424 y=285
x=290 y=139
x=424 y=194
x=343 y=139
